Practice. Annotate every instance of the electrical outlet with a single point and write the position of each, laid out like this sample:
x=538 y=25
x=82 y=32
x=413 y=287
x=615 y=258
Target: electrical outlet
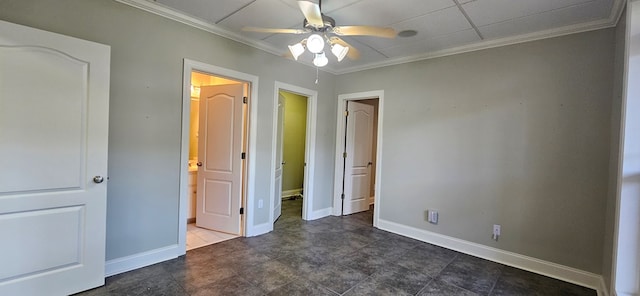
x=432 y=216
x=260 y=204
x=496 y=231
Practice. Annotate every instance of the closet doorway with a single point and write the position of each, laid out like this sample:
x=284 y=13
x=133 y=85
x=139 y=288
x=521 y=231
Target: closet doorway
x=293 y=153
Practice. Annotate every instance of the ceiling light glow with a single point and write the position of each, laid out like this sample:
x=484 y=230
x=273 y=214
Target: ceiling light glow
x=320 y=60
x=315 y=43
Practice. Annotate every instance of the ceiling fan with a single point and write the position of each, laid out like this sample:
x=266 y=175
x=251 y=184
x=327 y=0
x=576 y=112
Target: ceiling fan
x=323 y=30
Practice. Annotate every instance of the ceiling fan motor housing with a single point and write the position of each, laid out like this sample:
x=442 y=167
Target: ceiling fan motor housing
x=329 y=22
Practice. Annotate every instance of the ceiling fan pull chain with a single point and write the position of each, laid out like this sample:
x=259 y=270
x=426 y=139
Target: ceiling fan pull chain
x=316 y=75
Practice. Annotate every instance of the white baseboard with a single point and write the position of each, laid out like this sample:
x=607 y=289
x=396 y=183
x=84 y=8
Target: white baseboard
x=546 y=268
x=260 y=229
x=135 y=261
x=320 y=214
x=603 y=290
x=292 y=192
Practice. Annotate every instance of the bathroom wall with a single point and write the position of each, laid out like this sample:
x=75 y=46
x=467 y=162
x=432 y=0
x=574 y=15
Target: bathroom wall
x=294 y=137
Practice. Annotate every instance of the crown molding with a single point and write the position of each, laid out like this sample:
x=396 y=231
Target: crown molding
x=175 y=15
x=611 y=21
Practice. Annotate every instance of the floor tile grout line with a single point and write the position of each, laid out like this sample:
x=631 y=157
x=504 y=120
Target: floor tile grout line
x=425 y=286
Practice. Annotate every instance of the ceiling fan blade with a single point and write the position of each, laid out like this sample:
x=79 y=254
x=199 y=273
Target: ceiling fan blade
x=353 y=52
x=272 y=30
x=312 y=13
x=364 y=31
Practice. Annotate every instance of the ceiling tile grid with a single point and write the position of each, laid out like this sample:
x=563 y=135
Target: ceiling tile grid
x=441 y=25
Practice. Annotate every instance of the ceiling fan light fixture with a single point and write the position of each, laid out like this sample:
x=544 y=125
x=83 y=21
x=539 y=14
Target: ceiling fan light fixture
x=320 y=60
x=315 y=43
x=296 y=50
x=339 y=51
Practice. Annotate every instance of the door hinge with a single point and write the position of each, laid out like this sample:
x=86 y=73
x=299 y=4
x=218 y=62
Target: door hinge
x=241 y=211
x=344 y=155
x=342 y=196
x=346 y=113
x=245 y=100
x=243 y=155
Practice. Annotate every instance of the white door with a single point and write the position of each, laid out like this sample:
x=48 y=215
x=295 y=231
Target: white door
x=357 y=176
x=219 y=189
x=277 y=197
x=54 y=102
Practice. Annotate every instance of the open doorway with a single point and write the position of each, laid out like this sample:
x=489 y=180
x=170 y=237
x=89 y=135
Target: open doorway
x=358 y=154
x=293 y=154
x=216 y=138
x=292 y=122
x=216 y=172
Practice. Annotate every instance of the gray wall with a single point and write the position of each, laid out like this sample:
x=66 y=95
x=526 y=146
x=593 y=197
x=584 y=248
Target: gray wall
x=516 y=135
x=145 y=110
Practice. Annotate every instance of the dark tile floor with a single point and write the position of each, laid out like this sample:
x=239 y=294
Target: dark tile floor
x=330 y=256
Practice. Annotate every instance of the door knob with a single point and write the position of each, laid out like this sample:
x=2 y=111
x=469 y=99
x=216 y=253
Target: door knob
x=283 y=163
x=199 y=163
x=98 y=179
x=370 y=163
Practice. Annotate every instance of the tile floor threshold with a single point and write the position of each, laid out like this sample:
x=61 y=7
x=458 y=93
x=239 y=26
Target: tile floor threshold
x=200 y=237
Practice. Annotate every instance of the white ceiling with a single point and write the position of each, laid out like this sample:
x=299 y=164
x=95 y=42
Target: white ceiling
x=444 y=26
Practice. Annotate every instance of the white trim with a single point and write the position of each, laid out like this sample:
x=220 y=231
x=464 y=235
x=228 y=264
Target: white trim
x=339 y=163
x=161 y=10
x=310 y=146
x=610 y=21
x=546 y=268
x=135 y=261
x=320 y=214
x=260 y=229
x=292 y=192
x=602 y=288
x=250 y=181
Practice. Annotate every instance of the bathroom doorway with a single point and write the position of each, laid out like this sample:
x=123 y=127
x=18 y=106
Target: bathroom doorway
x=218 y=144
x=293 y=159
x=293 y=117
x=216 y=138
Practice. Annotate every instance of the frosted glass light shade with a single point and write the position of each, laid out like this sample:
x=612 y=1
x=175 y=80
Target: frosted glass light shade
x=339 y=51
x=315 y=43
x=320 y=60
x=296 y=50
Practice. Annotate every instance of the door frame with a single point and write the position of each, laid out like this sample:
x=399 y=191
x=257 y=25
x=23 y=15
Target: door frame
x=309 y=148
x=249 y=177
x=340 y=141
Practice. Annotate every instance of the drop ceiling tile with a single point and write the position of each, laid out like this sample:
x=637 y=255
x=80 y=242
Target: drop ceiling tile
x=585 y=12
x=263 y=13
x=566 y=3
x=283 y=40
x=484 y=12
x=437 y=23
x=203 y=9
x=385 y=12
x=433 y=44
x=327 y=6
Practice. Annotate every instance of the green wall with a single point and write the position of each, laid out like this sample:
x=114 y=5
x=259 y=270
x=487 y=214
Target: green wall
x=294 y=136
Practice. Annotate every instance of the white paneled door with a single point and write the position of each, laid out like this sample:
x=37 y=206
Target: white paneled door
x=54 y=101
x=220 y=138
x=277 y=196
x=357 y=175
